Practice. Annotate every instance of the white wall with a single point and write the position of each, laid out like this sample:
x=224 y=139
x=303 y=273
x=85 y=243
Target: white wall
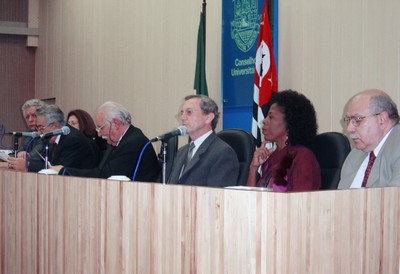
x=331 y=50
x=142 y=54
x=139 y=53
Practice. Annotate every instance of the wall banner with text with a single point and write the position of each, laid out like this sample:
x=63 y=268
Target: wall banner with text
x=240 y=28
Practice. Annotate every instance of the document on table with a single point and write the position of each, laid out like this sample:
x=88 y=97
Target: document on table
x=249 y=188
x=4 y=156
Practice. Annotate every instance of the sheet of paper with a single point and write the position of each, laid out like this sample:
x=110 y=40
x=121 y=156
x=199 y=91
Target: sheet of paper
x=4 y=156
x=249 y=188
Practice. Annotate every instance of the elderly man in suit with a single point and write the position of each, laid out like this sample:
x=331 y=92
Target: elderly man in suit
x=207 y=160
x=29 y=148
x=126 y=142
x=372 y=122
x=72 y=149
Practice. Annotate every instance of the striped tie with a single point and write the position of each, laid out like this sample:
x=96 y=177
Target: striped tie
x=371 y=160
x=188 y=157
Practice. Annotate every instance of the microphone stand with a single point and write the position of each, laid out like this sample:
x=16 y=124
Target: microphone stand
x=46 y=157
x=163 y=158
x=15 y=146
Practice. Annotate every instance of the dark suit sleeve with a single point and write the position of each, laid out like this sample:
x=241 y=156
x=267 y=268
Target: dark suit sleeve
x=214 y=164
x=225 y=170
x=75 y=151
x=122 y=160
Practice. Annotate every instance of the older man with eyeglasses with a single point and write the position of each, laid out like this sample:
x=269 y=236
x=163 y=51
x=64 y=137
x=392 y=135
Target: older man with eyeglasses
x=207 y=160
x=72 y=149
x=372 y=121
x=126 y=142
x=29 y=147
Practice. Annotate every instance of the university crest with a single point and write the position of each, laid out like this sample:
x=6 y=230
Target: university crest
x=246 y=23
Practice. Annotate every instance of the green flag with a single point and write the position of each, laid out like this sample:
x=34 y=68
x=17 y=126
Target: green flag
x=200 y=82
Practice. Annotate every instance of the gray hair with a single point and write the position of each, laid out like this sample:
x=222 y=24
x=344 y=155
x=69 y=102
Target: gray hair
x=117 y=111
x=32 y=103
x=207 y=105
x=383 y=102
x=52 y=113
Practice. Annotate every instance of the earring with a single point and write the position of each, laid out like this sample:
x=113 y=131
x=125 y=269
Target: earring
x=287 y=141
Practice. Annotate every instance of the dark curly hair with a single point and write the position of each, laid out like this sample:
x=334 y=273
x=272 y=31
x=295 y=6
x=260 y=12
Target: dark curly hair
x=300 y=116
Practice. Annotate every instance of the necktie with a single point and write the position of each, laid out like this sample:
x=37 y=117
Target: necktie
x=53 y=151
x=369 y=167
x=106 y=154
x=190 y=152
x=188 y=157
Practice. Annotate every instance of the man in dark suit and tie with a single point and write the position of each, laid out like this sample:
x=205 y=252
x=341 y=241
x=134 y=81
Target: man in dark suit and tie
x=207 y=160
x=113 y=123
x=29 y=148
x=72 y=149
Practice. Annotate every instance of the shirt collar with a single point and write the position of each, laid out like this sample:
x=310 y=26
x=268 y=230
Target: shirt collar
x=120 y=138
x=57 y=140
x=200 y=140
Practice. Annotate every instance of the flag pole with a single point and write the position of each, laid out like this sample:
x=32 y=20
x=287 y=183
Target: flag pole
x=200 y=82
x=203 y=13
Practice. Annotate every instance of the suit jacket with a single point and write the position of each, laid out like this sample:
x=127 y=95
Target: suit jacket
x=122 y=160
x=214 y=164
x=386 y=168
x=33 y=147
x=72 y=150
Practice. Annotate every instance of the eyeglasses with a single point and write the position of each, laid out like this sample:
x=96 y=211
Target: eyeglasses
x=188 y=112
x=42 y=128
x=356 y=120
x=98 y=128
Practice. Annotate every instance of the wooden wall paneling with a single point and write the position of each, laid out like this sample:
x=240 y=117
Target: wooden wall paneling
x=13 y=10
x=331 y=51
x=137 y=53
x=33 y=22
x=17 y=75
x=56 y=224
x=143 y=55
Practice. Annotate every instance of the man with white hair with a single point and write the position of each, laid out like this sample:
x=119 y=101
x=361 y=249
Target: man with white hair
x=70 y=148
x=113 y=123
x=29 y=145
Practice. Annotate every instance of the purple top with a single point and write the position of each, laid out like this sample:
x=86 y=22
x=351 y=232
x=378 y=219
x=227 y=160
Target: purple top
x=293 y=168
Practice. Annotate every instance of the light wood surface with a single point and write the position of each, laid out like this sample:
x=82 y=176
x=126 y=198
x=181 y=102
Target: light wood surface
x=54 y=224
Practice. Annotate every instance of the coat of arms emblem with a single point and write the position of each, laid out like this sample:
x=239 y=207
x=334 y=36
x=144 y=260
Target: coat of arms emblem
x=245 y=25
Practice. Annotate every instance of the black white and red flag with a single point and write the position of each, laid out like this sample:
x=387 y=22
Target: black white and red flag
x=265 y=79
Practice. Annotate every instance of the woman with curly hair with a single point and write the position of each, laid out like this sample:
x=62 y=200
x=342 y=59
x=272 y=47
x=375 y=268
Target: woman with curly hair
x=288 y=165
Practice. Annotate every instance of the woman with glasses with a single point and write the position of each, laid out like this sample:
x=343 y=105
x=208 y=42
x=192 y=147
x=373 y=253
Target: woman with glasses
x=287 y=164
x=372 y=123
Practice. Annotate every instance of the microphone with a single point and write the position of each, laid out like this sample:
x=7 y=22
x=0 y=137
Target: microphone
x=32 y=134
x=181 y=130
x=62 y=131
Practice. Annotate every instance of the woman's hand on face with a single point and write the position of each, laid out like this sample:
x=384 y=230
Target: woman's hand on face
x=261 y=155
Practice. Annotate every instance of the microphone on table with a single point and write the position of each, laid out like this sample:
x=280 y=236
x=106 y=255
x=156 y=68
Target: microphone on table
x=32 y=134
x=180 y=131
x=62 y=131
